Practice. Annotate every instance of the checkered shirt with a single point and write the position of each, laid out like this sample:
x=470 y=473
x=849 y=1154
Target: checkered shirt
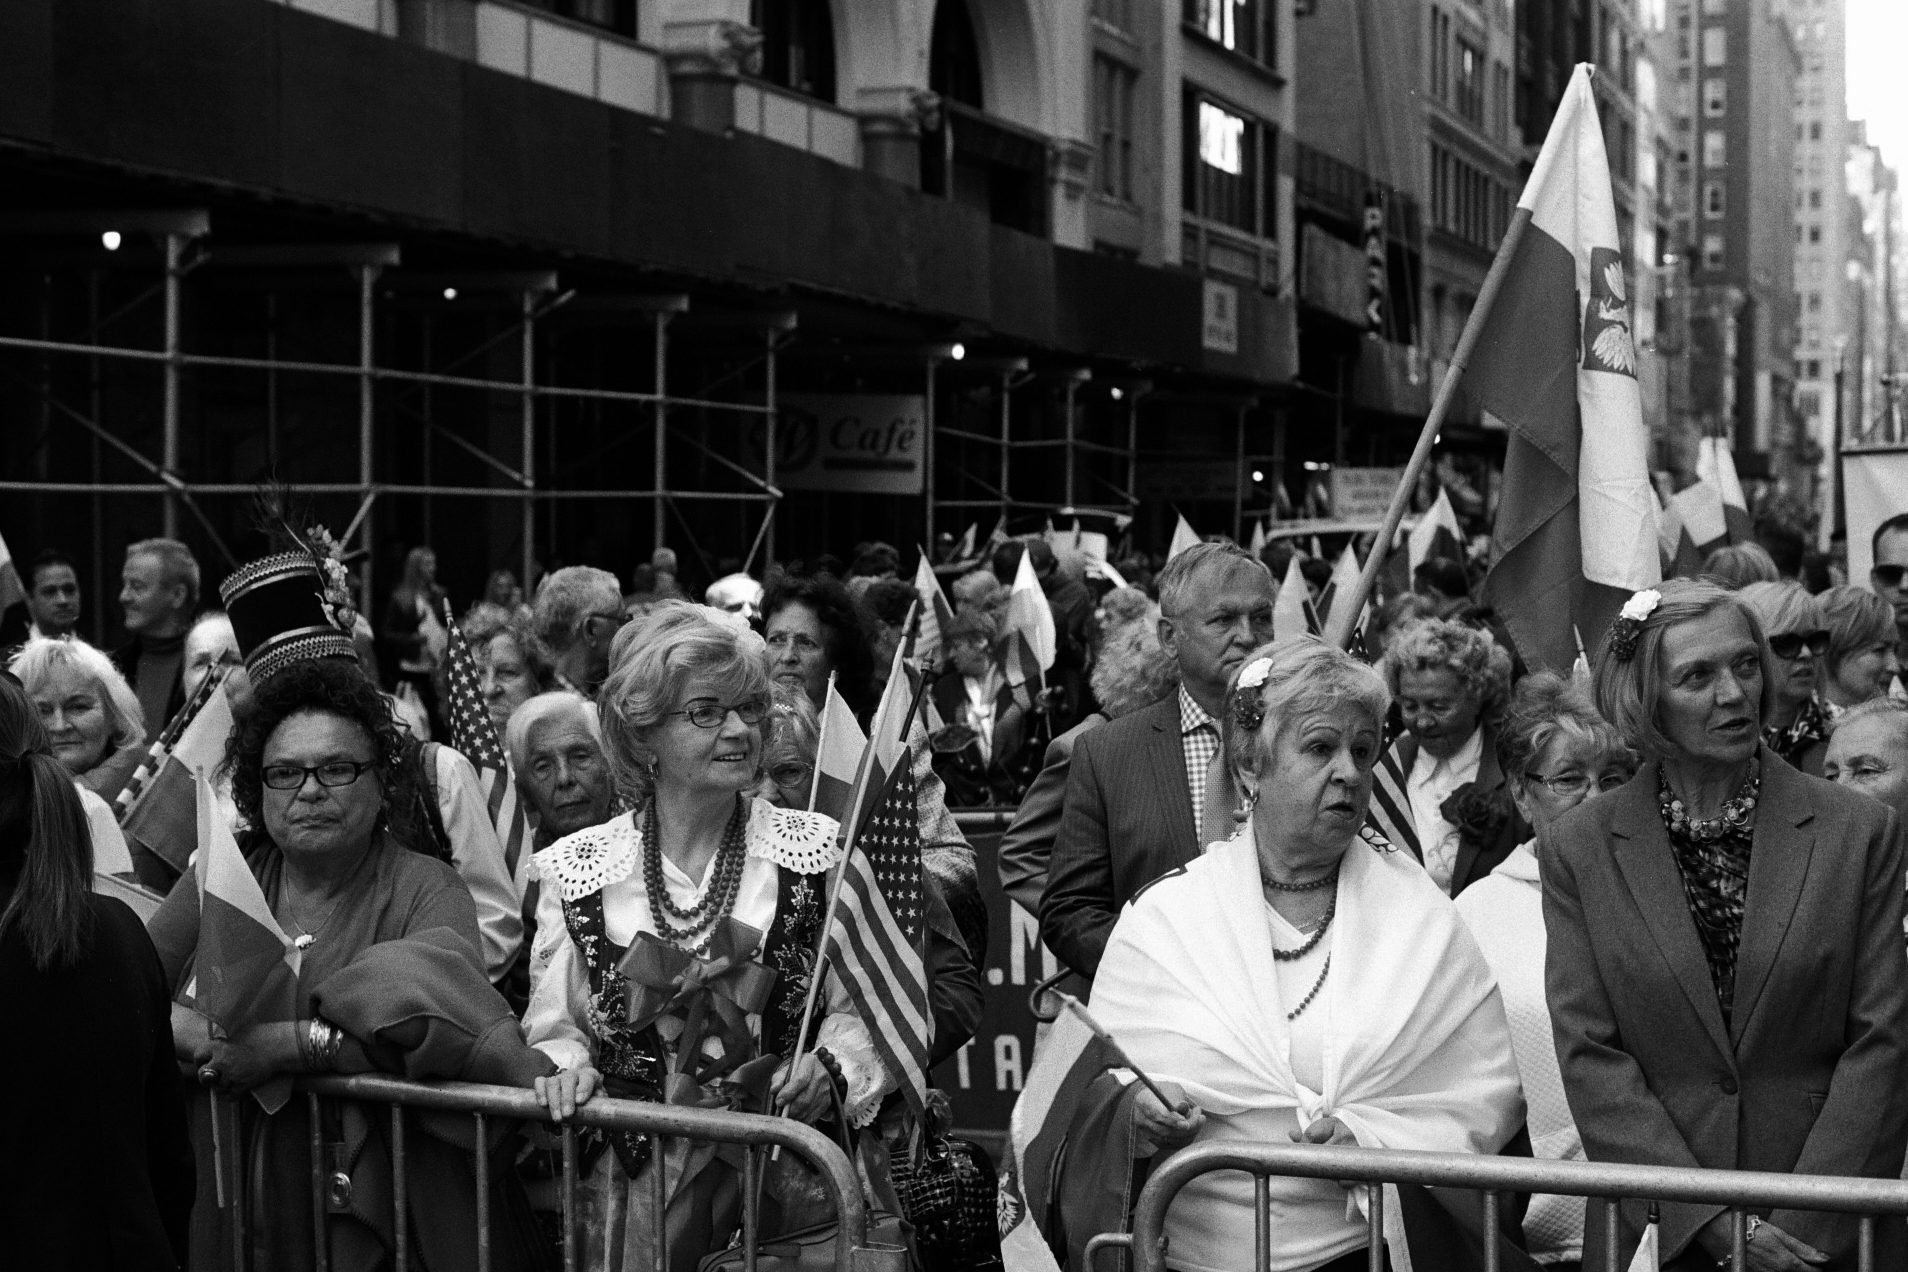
x=1198 y=742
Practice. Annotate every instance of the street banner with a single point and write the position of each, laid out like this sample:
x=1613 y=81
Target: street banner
x=1576 y=523
x=1874 y=488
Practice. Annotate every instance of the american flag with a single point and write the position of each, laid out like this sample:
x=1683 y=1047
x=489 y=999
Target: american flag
x=473 y=734
x=874 y=936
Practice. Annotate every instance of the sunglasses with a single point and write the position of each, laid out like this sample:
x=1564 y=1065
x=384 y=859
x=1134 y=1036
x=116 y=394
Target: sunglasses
x=1789 y=645
x=1889 y=575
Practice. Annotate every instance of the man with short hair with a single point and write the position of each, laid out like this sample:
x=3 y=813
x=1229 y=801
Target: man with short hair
x=1149 y=791
x=159 y=592
x=579 y=611
x=556 y=751
x=53 y=595
x=1890 y=566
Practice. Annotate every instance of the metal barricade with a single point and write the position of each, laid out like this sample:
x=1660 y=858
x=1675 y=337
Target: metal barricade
x=1736 y=1190
x=665 y=1121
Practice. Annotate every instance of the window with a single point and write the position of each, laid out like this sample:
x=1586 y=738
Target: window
x=1117 y=14
x=1715 y=46
x=1715 y=149
x=1113 y=84
x=1712 y=7
x=1500 y=100
x=1815 y=130
x=1712 y=251
x=1221 y=170
x=1231 y=24
x=1469 y=82
x=1815 y=302
x=1815 y=198
x=1815 y=368
x=1715 y=96
x=1440 y=53
x=1712 y=199
x=1466 y=201
x=1815 y=234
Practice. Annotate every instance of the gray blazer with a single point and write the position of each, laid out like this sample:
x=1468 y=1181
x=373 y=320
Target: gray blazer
x=1128 y=820
x=1808 y=1076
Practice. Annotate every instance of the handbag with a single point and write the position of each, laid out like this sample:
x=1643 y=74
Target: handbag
x=812 y=1249
x=950 y=1193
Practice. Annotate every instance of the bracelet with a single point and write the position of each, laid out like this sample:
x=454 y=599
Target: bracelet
x=1750 y=1224
x=319 y=1043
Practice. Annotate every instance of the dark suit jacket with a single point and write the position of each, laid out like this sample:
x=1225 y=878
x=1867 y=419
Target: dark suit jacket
x=126 y=658
x=1128 y=820
x=1027 y=845
x=1808 y=1076
x=1477 y=856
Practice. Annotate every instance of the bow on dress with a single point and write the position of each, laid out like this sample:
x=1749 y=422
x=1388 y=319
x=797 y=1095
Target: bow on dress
x=713 y=994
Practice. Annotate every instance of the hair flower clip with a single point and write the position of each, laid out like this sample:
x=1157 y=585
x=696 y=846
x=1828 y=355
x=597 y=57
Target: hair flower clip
x=1629 y=623
x=1247 y=711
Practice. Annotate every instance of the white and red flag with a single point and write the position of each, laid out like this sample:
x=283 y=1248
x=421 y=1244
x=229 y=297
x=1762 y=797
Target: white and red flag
x=1576 y=523
x=245 y=971
x=838 y=752
x=1028 y=640
x=932 y=617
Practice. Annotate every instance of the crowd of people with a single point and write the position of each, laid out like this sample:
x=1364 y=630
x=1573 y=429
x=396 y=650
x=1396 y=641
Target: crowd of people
x=1414 y=895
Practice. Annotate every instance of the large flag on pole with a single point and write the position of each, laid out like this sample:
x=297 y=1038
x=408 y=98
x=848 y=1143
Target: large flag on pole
x=246 y=969
x=474 y=734
x=1576 y=523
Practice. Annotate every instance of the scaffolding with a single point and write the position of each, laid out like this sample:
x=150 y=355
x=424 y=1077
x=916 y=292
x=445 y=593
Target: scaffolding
x=186 y=238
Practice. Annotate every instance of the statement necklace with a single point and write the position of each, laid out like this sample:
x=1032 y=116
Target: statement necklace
x=1737 y=815
x=1313 y=886
x=725 y=881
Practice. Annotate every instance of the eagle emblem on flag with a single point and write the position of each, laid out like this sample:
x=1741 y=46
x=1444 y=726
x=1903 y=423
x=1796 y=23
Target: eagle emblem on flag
x=1607 y=345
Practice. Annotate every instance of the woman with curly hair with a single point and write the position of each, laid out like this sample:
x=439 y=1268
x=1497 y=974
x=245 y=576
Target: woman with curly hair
x=390 y=978
x=1450 y=682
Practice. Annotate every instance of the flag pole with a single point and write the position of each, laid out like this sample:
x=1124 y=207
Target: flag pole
x=821 y=742
x=1339 y=631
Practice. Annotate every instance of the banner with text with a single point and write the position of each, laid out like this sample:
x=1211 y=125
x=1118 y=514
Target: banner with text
x=865 y=443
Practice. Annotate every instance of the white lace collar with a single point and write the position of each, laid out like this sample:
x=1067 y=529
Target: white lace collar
x=597 y=856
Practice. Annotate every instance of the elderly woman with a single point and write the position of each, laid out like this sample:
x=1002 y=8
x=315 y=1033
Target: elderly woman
x=1725 y=970
x=699 y=866
x=93 y=721
x=512 y=665
x=1299 y=982
x=555 y=744
x=1557 y=753
x=390 y=978
x=1860 y=663
x=813 y=627
x=1796 y=725
x=1450 y=681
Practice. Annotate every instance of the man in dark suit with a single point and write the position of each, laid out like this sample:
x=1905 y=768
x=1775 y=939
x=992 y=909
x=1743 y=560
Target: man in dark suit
x=1145 y=793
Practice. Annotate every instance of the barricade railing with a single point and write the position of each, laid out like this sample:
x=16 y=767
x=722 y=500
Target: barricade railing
x=1737 y=1190
x=663 y=1121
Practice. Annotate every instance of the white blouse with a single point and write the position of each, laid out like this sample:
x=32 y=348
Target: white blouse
x=607 y=859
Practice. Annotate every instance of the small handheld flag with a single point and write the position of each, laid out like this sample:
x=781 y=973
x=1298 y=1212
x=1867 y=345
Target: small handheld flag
x=1183 y=537
x=1649 y=1255
x=474 y=734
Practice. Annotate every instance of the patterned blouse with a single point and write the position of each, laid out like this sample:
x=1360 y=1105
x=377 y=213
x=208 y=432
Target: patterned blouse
x=1811 y=726
x=1715 y=885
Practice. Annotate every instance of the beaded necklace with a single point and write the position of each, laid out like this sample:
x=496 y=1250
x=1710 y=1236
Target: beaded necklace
x=1313 y=886
x=717 y=899
x=1737 y=815
x=1291 y=956
x=1317 y=985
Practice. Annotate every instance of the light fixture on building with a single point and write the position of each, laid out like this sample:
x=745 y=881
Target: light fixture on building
x=110 y=240
x=1117 y=392
x=450 y=293
x=958 y=352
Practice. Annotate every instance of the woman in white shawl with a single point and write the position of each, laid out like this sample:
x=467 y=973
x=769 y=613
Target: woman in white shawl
x=1302 y=982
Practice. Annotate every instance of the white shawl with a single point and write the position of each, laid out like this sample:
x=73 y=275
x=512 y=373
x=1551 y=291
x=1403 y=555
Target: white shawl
x=1417 y=1054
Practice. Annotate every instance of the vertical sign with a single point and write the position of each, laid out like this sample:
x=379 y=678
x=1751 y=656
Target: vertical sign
x=1374 y=229
x=1221 y=332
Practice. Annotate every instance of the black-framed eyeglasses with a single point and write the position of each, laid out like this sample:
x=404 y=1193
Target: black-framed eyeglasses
x=291 y=777
x=1577 y=785
x=1889 y=575
x=791 y=774
x=1789 y=645
x=710 y=715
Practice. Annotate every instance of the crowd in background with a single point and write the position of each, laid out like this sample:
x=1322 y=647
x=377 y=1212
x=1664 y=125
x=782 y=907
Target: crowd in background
x=665 y=755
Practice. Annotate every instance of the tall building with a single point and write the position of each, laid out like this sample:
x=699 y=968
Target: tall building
x=546 y=266
x=1823 y=295
x=1877 y=348
x=1735 y=67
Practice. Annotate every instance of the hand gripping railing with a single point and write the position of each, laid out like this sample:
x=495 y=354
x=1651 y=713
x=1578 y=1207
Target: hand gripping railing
x=665 y=1121
x=1493 y=1176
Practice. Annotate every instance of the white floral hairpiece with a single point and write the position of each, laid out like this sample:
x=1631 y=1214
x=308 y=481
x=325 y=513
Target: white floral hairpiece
x=1641 y=605
x=1629 y=623
x=1247 y=710
x=1255 y=673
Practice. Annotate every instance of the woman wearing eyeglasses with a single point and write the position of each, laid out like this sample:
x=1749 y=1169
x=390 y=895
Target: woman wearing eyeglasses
x=1797 y=725
x=1558 y=753
x=702 y=868
x=388 y=947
